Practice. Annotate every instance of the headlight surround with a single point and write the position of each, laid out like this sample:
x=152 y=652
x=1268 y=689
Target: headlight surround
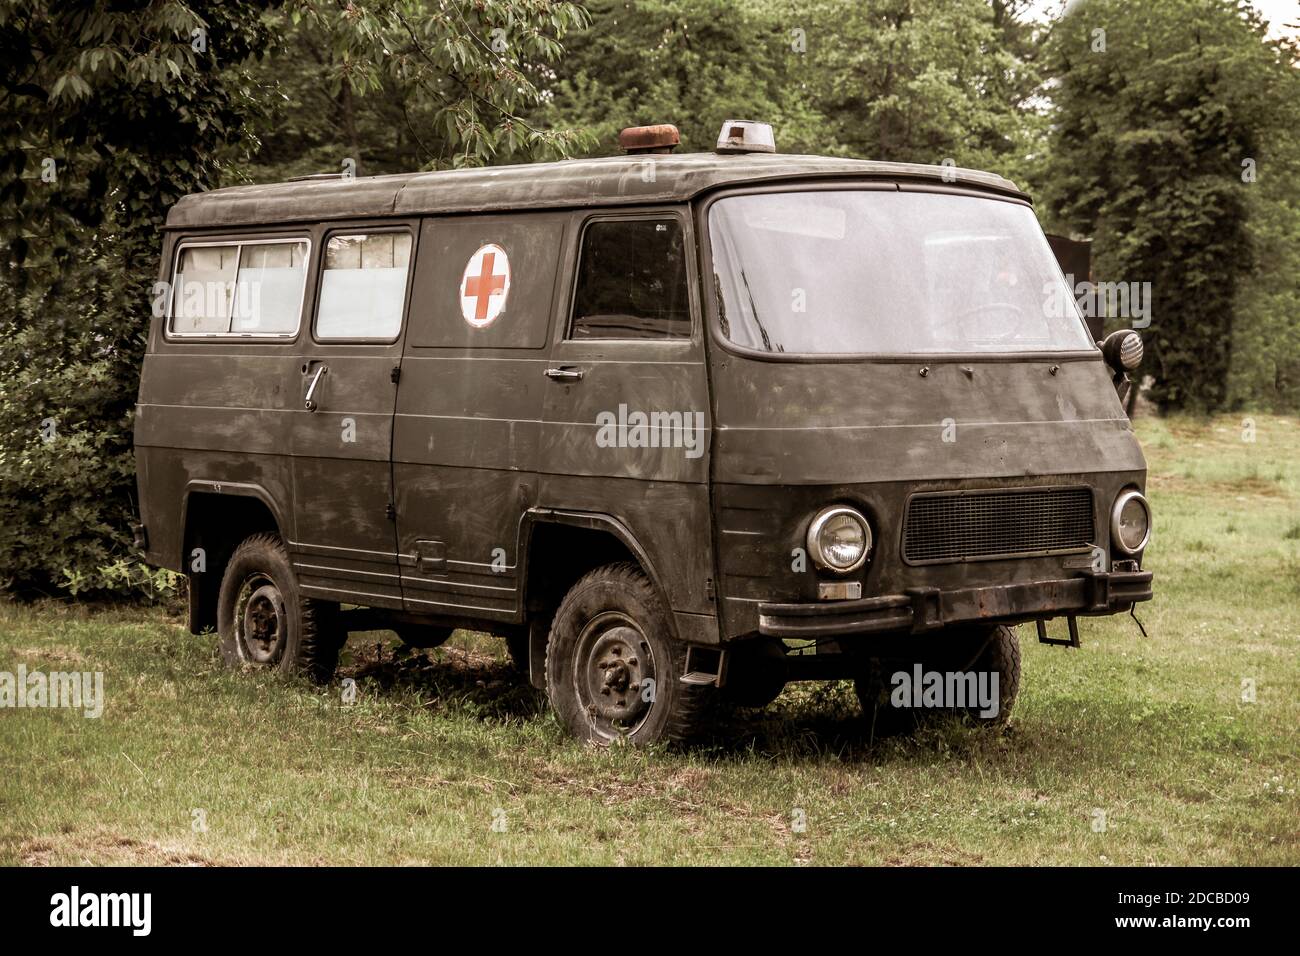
x=839 y=539
x=1130 y=522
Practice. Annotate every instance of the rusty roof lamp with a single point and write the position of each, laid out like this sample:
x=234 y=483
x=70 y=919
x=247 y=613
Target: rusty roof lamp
x=661 y=139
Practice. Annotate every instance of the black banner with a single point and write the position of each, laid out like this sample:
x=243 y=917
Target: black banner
x=911 y=906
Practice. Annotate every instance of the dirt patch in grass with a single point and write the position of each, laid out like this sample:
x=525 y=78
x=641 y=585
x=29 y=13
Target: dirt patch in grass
x=925 y=853
x=106 y=849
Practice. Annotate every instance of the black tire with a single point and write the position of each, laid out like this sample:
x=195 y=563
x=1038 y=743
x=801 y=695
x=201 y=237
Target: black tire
x=610 y=634
x=990 y=649
x=756 y=672
x=423 y=635
x=872 y=686
x=1000 y=655
x=264 y=621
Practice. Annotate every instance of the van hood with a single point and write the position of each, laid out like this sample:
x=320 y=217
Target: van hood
x=800 y=422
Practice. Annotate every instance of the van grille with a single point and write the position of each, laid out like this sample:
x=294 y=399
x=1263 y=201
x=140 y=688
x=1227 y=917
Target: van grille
x=987 y=524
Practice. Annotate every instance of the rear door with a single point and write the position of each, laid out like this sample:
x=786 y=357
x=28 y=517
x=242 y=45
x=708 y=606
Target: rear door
x=346 y=542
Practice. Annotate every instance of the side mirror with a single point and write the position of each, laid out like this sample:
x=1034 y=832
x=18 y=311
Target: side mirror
x=1122 y=350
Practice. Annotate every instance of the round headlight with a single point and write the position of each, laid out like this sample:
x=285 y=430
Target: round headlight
x=1130 y=522
x=839 y=539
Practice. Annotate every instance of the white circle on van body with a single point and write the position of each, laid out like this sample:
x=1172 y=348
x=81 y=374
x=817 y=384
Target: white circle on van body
x=485 y=285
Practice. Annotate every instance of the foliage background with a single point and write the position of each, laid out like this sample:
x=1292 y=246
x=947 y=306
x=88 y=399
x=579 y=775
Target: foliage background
x=1138 y=146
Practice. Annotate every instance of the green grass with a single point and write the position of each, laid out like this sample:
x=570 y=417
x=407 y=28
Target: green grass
x=1152 y=732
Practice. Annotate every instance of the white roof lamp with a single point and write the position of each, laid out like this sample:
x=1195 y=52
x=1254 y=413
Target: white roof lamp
x=746 y=136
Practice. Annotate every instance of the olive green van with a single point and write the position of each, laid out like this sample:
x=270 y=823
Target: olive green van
x=680 y=428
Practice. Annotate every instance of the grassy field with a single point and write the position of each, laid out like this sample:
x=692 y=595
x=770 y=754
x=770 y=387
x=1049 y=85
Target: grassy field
x=445 y=758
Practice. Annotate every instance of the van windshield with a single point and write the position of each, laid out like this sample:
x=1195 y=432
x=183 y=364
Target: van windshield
x=888 y=272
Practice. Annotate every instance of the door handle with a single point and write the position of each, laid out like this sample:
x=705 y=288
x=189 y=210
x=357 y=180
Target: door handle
x=565 y=373
x=308 y=403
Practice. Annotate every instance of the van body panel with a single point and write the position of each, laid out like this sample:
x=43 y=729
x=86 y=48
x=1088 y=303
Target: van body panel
x=590 y=462
x=664 y=518
x=211 y=415
x=345 y=542
x=643 y=377
x=814 y=423
x=469 y=411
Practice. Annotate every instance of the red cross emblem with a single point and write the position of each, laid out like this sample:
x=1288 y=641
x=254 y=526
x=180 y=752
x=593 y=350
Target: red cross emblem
x=485 y=285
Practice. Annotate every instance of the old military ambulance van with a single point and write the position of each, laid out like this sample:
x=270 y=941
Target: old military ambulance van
x=680 y=428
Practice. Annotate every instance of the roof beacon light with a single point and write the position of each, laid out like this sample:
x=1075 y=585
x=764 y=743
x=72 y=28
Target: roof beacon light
x=746 y=136
x=649 y=139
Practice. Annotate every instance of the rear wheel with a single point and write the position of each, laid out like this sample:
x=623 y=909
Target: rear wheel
x=1000 y=655
x=613 y=664
x=981 y=650
x=756 y=672
x=264 y=621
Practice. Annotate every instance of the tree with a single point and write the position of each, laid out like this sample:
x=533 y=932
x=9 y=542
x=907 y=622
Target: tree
x=693 y=63
x=1158 y=108
x=877 y=79
x=111 y=112
x=396 y=86
x=924 y=82
x=1265 y=362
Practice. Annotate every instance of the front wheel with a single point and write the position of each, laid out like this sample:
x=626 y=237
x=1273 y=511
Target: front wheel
x=264 y=621
x=613 y=664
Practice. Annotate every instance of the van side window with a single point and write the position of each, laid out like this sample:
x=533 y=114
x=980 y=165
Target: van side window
x=268 y=292
x=632 y=281
x=239 y=288
x=363 y=286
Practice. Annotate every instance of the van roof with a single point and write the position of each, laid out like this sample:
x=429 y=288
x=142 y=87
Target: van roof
x=607 y=181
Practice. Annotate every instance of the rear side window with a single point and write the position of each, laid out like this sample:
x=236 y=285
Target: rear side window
x=363 y=286
x=631 y=281
x=268 y=290
x=252 y=288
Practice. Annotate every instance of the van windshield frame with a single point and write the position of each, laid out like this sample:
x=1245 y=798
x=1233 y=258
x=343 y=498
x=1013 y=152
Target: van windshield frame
x=714 y=297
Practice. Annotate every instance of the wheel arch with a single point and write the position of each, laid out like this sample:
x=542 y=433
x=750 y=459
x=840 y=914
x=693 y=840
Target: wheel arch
x=568 y=544
x=215 y=517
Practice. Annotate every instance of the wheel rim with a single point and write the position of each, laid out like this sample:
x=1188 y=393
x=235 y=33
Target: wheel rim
x=615 y=669
x=261 y=624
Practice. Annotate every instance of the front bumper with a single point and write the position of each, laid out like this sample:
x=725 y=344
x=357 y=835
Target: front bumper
x=927 y=609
